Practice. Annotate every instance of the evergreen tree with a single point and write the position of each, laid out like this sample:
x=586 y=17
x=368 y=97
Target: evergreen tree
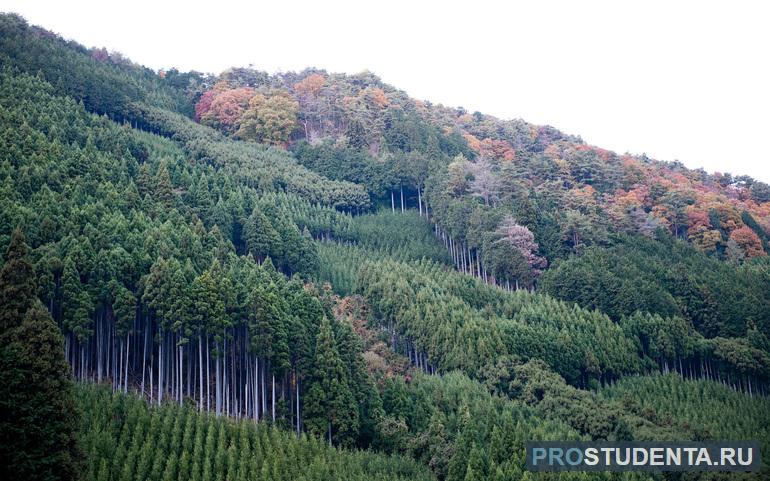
x=143 y=181
x=17 y=283
x=361 y=384
x=38 y=415
x=330 y=408
x=476 y=471
x=164 y=190
x=76 y=302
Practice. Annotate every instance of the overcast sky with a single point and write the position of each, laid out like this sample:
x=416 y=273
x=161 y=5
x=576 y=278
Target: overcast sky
x=673 y=79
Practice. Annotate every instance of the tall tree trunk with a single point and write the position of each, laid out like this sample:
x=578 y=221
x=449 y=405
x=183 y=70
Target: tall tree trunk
x=225 y=391
x=190 y=367
x=419 y=200
x=218 y=389
x=97 y=339
x=200 y=372
x=160 y=368
x=144 y=354
x=125 y=377
x=152 y=368
x=256 y=388
x=180 y=376
x=264 y=391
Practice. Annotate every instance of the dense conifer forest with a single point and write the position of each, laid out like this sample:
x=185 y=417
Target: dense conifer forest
x=311 y=275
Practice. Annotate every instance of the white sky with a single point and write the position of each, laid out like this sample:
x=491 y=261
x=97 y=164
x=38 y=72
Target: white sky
x=684 y=80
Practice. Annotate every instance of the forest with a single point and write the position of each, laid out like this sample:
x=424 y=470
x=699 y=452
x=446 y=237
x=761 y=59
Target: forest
x=252 y=276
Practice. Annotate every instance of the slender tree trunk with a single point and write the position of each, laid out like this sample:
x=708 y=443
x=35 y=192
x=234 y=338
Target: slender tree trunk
x=247 y=391
x=144 y=354
x=200 y=372
x=152 y=369
x=190 y=368
x=160 y=368
x=218 y=383
x=180 y=376
x=419 y=200
x=125 y=377
x=99 y=341
x=264 y=391
x=224 y=376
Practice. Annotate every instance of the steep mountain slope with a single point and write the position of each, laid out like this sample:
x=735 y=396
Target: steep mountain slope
x=359 y=129
x=183 y=228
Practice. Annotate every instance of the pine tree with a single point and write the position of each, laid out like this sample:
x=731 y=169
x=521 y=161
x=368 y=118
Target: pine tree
x=220 y=456
x=292 y=245
x=458 y=465
x=17 y=283
x=164 y=190
x=361 y=384
x=38 y=415
x=76 y=301
x=143 y=181
x=476 y=471
x=202 y=197
x=104 y=471
x=261 y=238
x=330 y=408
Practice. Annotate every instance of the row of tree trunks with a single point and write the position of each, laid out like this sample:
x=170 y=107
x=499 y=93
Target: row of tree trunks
x=222 y=375
x=406 y=346
x=422 y=208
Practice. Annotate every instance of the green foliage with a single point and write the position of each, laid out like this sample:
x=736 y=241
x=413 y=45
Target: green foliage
x=402 y=235
x=268 y=169
x=711 y=409
x=460 y=323
x=349 y=164
x=140 y=251
x=330 y=407
x=668 y=278
x=39 y=420
x=160 y=246
x=396 y=236
x=17 y=283
x=170 y=441
x=456 y=426
x=105 y=83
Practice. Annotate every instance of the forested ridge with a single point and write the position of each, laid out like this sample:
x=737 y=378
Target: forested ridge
x=314 y=276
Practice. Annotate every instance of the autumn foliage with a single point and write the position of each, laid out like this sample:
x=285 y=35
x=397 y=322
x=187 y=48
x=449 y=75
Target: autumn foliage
x=226 y=108
x=748 y=241
x=269 y=119
x=594 y=190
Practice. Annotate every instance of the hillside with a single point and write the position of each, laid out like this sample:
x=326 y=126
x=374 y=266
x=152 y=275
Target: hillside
x=357 y=128
x=314 y=276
